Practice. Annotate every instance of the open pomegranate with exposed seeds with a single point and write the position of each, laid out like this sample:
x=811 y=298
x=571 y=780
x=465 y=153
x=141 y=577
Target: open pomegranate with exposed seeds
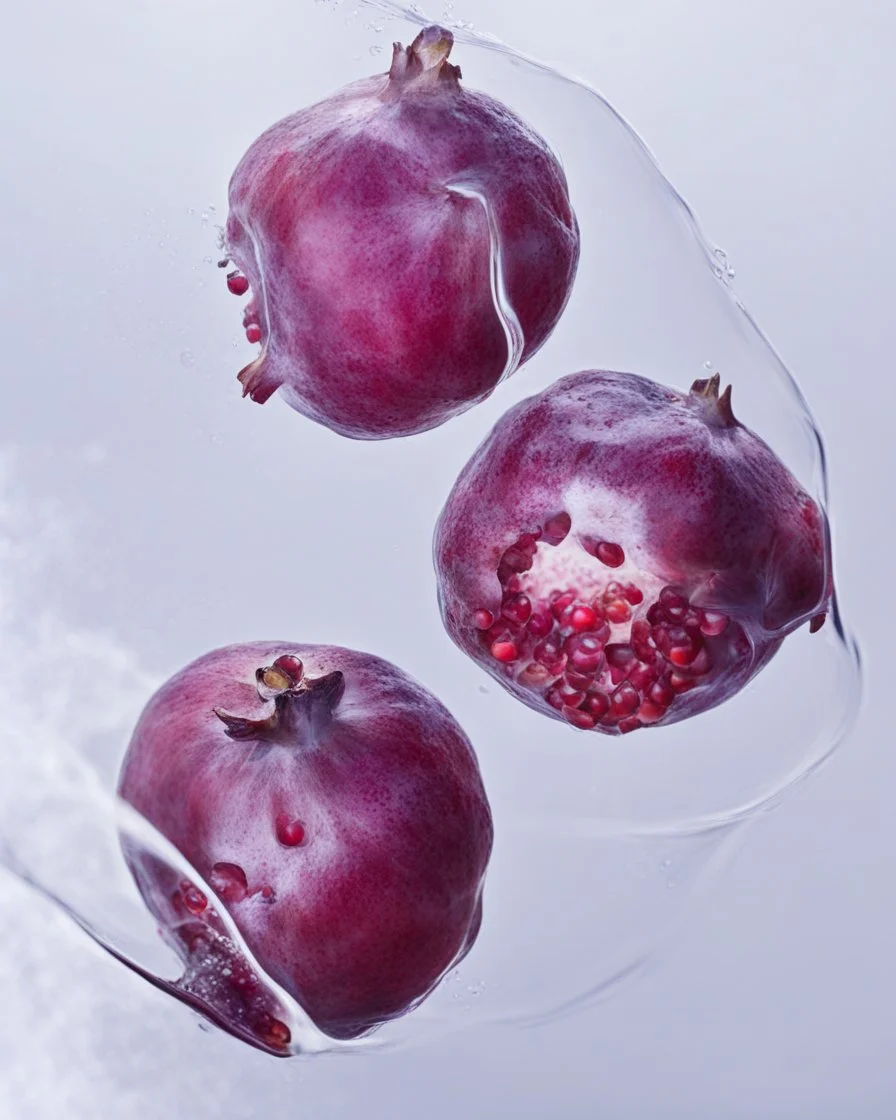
x=334 y=808
x=407 y=243
x=621 y=555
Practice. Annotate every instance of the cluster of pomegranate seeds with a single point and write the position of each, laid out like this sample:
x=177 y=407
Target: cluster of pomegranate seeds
x=606 y=656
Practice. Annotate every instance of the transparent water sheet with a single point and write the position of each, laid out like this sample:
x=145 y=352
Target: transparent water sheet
x=601 y=846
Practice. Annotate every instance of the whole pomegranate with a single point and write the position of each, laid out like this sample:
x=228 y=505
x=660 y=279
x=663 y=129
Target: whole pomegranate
x=621 y=555
x=337 y=811
x=407 y=243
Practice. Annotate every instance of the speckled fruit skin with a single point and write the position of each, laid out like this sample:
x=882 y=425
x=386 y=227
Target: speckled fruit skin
x=370 y=272
x=378 y=890
x=692 y=513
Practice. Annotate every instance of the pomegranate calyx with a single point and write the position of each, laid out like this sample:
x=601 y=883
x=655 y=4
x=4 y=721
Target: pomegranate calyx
x=716 y=407
x=426 y=57
x=300 y=707
x=257 y=382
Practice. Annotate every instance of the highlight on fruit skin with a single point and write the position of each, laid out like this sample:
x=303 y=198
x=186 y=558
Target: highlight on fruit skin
x=334 y=809
x=406 y=243
x=621 y=555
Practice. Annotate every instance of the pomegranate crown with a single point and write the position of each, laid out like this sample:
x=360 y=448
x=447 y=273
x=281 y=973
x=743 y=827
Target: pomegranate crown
x=716 y=408
x=299 y=702
x=426 y=59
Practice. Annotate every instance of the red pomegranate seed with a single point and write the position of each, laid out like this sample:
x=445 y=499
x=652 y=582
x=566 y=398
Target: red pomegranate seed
x=237 y=283
x=634 y=594
x=624 y=701
x=540 y=624
x=560 y=600
x=618 y=611
x=610 y=554
x=649 y=712
x=661 y=694
x=483 y=619
x=253 y=333
x=578 y=718
x=505 y=651
x=533 y=674
x=598 y=703
x=194 y=900
x=583 y=619
x=517 y=609
x=290 y=833
x=556 y=528
x=712 y=623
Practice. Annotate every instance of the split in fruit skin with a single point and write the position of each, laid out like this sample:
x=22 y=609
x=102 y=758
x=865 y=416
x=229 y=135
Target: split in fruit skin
x=620 y=555
x=436 y=276
x=334 y=809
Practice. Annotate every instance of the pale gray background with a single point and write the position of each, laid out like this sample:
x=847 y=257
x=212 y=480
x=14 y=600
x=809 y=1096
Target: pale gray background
x=775 y=123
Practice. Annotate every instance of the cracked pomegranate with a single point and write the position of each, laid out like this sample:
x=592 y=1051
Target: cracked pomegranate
x=620 y=555
x=334 y=808
x=407 y=243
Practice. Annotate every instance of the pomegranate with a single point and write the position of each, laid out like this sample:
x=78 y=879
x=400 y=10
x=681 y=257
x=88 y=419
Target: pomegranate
x=621 y=555
x=407 y=243
x=335 y=809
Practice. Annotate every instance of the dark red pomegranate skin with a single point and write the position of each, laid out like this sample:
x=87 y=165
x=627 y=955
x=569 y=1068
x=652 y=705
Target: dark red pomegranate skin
x=621 y=555
x=337 y=811
x=370 y=262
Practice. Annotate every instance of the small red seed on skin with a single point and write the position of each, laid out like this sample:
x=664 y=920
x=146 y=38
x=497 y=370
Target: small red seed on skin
x=290 y=833
x=291 y=665
x=556 y=528
x=505 y=651
x=483 y=619
x=655 y=614
x=194 y=900
x=578 y=718
x=253 y=333
x=237 y=283
x=583 y=619
x=630 y=724
x=634 y=594
x=610 y=554
x=229 y=882
x=817 y=622
x=618 y=611
x=681 y=684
